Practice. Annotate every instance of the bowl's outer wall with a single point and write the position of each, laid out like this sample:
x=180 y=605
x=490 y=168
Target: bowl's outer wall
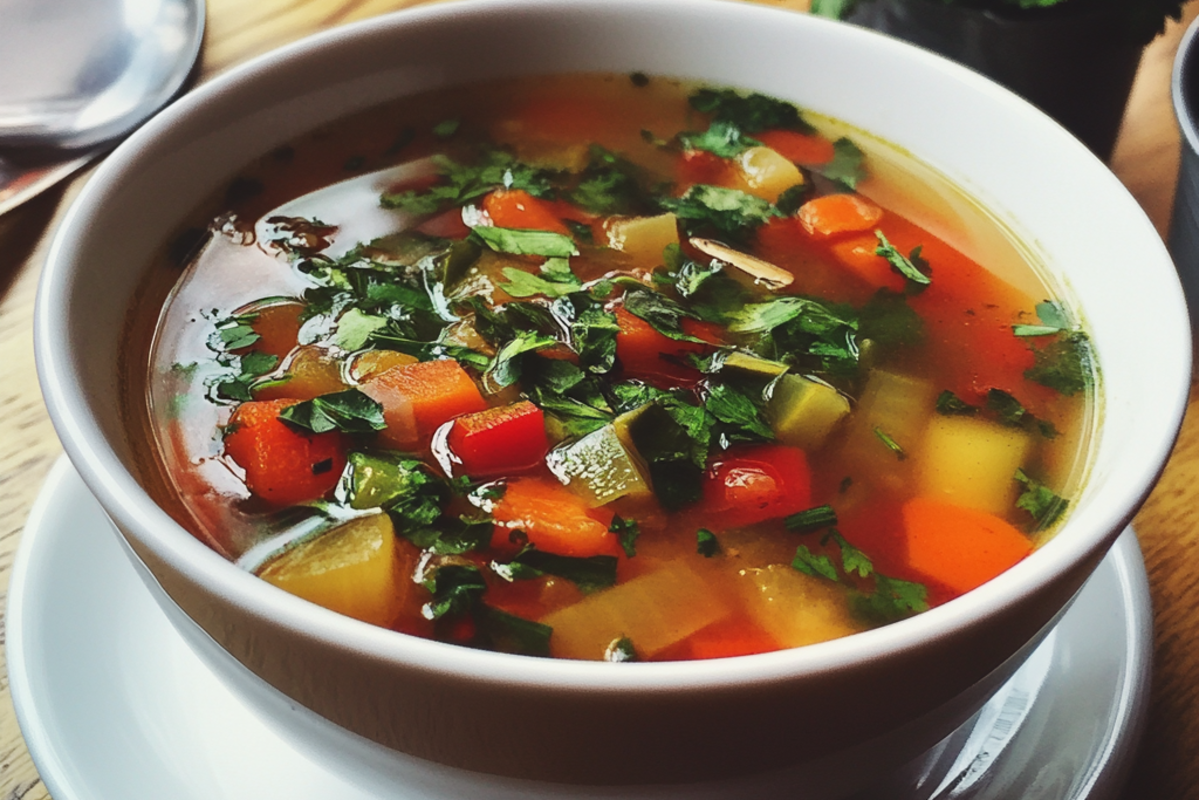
x=555 y=719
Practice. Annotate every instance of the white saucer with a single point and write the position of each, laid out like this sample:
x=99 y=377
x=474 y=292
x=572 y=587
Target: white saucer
x=115 y=706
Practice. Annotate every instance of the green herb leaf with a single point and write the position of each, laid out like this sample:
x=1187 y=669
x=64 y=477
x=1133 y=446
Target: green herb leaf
x=627 y=531
x=1045 y=506
x=463 y=183
x=446 y=128
x=350 y=411
x=706 y=544
x=892 y=599
x=590 y=574
x=555 y=280
x=730 y=214
x=949 y=404
x=751 y=113
x=663 y=314
x=818 y=565
x=853 y=560
x=1065 y=365
x=521 y=242
x=891 y=444
x=505 y=367
x=456 y=589
x=848 y=165
x=508 y=633
x=354 y=329
x=744 y=420
x=904 y=265
x=621 y=650
x=813 y=519
x=722 y=138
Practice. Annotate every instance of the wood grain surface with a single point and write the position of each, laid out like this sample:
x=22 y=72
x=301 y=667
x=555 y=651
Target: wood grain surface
x=1146 y=160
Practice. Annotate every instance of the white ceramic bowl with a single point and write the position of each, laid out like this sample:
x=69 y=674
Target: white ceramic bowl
x=890 y=692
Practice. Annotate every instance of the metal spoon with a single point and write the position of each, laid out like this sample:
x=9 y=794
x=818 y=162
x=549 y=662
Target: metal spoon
x=76 y=75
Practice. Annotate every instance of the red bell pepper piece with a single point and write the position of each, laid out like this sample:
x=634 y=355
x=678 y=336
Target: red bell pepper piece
x=500 y=441
x=282 y=465
x=756 y=483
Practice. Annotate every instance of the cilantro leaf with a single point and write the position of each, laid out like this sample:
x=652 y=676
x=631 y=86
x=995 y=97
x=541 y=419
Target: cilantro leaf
x=522 y=242
x=892 y=599
x=909 y=266
x=722 y=138
x=507 y=633
x=1045 y=506
x=751 y=113
x=853 y=560
x=555 y=280
x=730 y=214
x=1066 y=365
x=847 y=167
x=462 y=183
x=949 y=404
x=813 y=519
x=350 y=411
x=663 y=314
x=744 y=420
x=590 y=574
x=817 y=565
x=505 y=367
x=627 y=531
x=621 y=650
x=706 y=543
x=456 y=589
x=610 y=185
x=593 y=335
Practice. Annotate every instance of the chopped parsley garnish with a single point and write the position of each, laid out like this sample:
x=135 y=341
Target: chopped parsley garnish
x=456 y=588
x=722 y=138
x=463 y=183
x=590 y=574
x=890 y=443
x=889 y=599
x=1065 y=364
x=811 y=520
x=1045 y=506
x=620 y=650
x=726 y=213
x=706 y=543
x=949 y=404
x=555 y=280
x=848 y=165
x=350 y=411
x=751 y=113
x=911 y=266
x=525 y=242
x=507 y=633
x=627 y=531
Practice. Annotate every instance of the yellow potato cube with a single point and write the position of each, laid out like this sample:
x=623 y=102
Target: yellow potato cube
x=643 y=238
x=354 y=569
x=654 y=611
x=766 y=173
x=970 y=462
x=794 y=608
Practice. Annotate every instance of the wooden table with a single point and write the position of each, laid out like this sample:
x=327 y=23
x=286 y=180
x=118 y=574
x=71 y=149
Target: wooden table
x=1146 y=159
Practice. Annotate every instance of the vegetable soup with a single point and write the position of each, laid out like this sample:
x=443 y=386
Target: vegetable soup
x=610 y=367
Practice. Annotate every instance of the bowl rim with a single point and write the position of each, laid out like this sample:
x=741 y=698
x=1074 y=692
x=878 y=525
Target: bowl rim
x=135 y=512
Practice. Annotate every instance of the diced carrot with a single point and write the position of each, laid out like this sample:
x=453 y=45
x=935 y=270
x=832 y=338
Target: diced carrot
x=553 y=518
x=447 y=225
x=727 y=638
x=500 y=440
x=277 y=326
x=859 y=255
x=836 y=214
x=961 y=547
x=417 y=398
x=516 y=208
x=802 y=148
x=645 y=353
x=282 y=465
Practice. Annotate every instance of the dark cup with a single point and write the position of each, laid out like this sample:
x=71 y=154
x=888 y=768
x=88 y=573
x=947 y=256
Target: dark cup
x=1184 y=223
x=1077 y=67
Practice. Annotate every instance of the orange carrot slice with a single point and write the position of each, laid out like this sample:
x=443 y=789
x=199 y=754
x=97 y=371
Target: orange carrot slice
x=961 y=547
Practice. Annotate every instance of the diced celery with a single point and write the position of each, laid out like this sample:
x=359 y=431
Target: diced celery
x=353 y=569
x=803 y=412
x=599 y=468
x=970 y=462
x=794 y=608
x=653 y=611
x=887 y=427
